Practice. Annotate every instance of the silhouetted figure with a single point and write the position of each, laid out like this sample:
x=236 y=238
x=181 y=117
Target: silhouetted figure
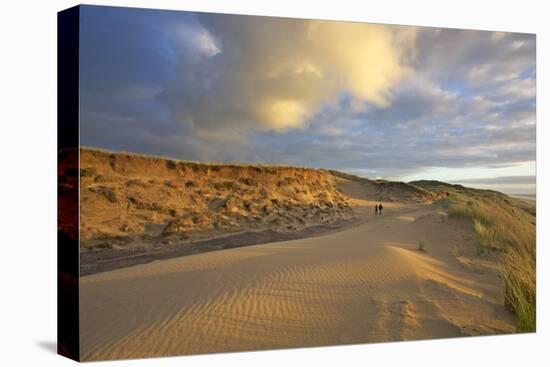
x=375 y=209
x=380 y=207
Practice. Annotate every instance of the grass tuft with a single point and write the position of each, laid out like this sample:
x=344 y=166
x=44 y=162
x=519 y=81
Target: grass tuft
x=421 y=246
x=510 y=232
x=456 y=251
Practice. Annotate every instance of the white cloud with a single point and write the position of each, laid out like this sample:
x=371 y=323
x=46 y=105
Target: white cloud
x=269 y=74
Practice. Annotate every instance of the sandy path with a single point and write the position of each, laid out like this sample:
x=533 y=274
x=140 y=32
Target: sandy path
x=362 y=284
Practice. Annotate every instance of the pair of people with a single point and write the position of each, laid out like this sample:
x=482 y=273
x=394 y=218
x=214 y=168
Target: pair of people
x=378 y=209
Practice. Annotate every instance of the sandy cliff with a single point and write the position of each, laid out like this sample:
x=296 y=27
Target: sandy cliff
x=125 y=195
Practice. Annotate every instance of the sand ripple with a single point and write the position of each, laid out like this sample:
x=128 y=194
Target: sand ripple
x=363 y=284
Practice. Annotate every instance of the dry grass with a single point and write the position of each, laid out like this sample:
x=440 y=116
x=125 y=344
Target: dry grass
x=456 y=251
x=122 y=194
x=506 y=226
x=421 y=246
x=172 y=163
x=507 y=229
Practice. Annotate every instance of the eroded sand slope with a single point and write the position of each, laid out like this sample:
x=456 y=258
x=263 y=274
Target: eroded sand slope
x=128 y=199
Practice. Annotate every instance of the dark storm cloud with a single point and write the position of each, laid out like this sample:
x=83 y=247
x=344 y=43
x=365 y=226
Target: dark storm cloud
x=232 y=88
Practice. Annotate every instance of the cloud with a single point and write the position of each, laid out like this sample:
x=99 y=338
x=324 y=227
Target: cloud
x=271 y=74
x=370 y=99
x=476 y=58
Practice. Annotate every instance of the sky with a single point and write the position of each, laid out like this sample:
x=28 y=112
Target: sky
x=379 y=101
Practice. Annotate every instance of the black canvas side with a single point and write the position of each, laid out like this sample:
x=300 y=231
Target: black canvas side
x=68 y=331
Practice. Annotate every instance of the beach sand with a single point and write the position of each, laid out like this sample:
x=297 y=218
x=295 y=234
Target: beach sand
x=364 y=283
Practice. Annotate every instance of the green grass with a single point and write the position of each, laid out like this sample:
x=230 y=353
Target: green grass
x=498 y=230
x=506 y=227
x=456 y=251
x=518 y=273
x=421 y=246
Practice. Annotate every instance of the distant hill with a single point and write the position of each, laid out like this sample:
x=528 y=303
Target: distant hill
x=443 y=189
x=382 y=190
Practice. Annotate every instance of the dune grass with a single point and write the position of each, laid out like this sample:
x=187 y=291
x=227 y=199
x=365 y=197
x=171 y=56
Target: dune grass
x=508 y=230
x=172 y=163
x=421 y=246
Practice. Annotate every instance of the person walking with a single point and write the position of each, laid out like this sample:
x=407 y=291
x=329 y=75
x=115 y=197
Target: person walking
x=375 y=209
x=380 y=207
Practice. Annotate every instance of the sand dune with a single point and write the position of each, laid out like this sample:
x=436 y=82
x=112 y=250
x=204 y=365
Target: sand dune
x=363 y=281
x=128 y=199
x=137 y=208
x=366 y=283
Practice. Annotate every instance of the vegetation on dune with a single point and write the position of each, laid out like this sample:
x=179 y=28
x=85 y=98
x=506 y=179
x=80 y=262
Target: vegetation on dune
x=126 y=197
x=506 y=226
x=193 y=197
x=384 y=190
x=172 y=163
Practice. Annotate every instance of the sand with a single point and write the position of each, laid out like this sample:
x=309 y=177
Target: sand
x=135 y=209
x=365 y=283
x=139 y=202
